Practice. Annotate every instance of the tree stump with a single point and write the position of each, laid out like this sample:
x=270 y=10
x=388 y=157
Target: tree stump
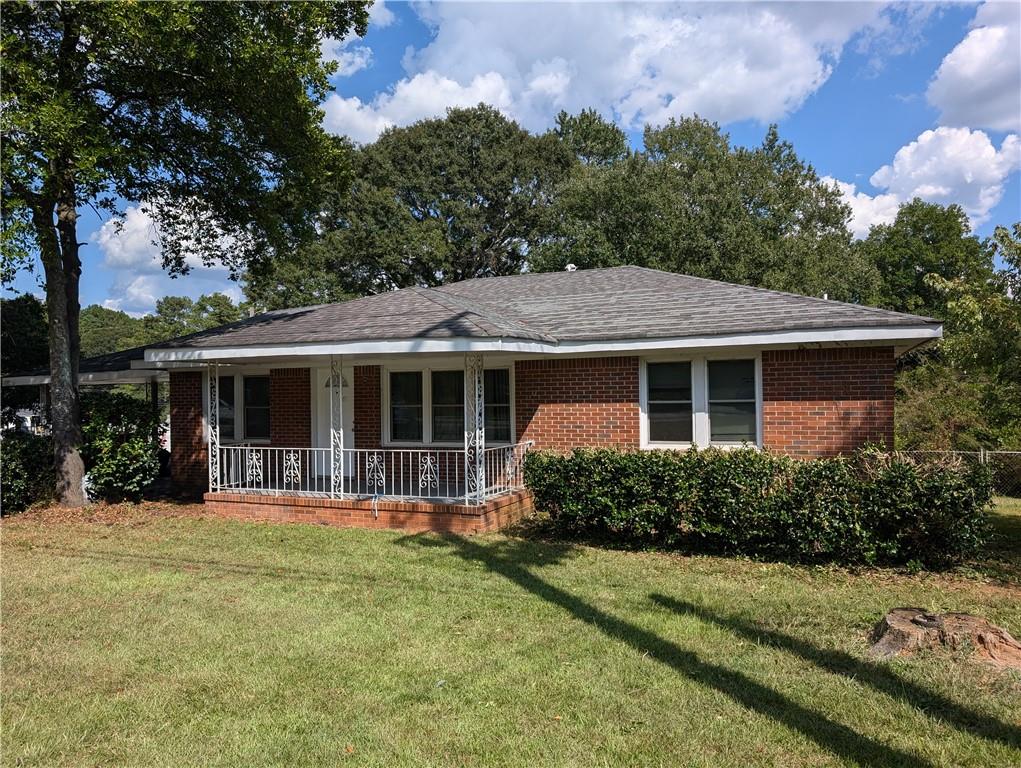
x=906 y=630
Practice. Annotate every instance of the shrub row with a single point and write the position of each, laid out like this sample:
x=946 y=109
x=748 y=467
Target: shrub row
x=871 y=508
x=120 y=452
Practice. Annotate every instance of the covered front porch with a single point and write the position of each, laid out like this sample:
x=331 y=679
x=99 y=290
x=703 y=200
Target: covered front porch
x=362 y=442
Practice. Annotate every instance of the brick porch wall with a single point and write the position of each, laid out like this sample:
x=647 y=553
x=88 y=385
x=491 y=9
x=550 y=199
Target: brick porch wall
x=290 y=408
x=189 y=468
x=566 y=403
x=823 y=402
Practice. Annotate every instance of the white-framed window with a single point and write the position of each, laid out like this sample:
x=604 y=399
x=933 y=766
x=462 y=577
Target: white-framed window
x=426 y=406
x=701 y=401
x=244 y=408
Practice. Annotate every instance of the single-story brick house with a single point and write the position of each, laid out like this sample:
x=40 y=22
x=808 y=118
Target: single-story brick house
x=414 y=408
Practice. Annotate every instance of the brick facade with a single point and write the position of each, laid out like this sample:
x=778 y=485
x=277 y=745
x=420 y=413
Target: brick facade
x=189 y=469
x=822 y=402
x=290 y=408
x=564 y=403
x=362 y=513
x=368 y=418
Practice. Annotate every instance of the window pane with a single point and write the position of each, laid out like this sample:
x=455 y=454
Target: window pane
x=497 y=386
x=498 y=423
x=225 y=399
x=448 y=423
x=669 y=381
x=732 y=422
x=670 y=422
x=731 y=380
x=406 y=388
x=257 y=423
x=257 y=391
x=406 y=422
x=256 y=403
x=448 y=387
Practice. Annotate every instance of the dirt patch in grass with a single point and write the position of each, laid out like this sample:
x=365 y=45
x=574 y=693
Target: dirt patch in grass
x=103 y=513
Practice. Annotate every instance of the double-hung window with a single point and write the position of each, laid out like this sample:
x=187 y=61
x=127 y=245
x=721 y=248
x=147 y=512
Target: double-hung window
x=256 y=405
x=670 y=405
x=406 y=405
x=243 y=405
x=226 y=398
x=732 y=416
x=700 y=402
x=428 y=406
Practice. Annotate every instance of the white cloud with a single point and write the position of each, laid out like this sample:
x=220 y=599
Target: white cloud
x=379 y=15
x=945 y=165
x=866 y=210
x=952 y=165
x=422 y=96
x=349 y=58
x=638 y=63
x=129 y=248
x=979 y=82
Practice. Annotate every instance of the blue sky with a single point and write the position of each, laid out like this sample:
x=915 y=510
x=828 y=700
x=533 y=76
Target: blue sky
x=888 y=101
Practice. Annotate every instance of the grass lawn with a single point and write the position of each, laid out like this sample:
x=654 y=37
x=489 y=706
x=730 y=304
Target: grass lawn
x=135 y=638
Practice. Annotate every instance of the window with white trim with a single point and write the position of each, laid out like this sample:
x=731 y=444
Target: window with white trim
x=701 y=402
x=428 y=406
x=731 y=394
x=243 y=405
x=256 y=407
x=669 y=399
x=406 y=405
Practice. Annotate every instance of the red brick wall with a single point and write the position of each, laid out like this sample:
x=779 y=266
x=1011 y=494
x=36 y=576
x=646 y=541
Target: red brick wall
x=189 y=468
x=822 y=402
x=367 y=413
x=564 y=403
x=290 y=408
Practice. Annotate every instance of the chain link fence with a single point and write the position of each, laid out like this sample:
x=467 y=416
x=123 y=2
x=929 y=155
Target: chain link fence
x=1004 y=465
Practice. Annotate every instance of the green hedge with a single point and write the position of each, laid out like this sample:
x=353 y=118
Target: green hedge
x=871 y=508
x=120 y=453
x=26 y=471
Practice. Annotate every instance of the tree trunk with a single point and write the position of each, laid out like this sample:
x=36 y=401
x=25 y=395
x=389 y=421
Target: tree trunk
x=63 y=268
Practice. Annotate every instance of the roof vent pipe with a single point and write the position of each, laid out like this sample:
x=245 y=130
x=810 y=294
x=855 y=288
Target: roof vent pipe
x=825 y=297
x=570 y=268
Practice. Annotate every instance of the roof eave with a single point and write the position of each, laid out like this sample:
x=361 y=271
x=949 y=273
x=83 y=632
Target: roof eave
x=899 y=335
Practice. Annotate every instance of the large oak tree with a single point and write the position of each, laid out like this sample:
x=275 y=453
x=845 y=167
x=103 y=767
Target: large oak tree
x=207 y=113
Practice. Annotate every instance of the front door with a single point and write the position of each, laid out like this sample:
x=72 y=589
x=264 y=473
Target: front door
x=321 y=377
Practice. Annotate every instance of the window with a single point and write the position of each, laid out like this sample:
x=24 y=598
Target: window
x=428 y=406
x=225 y=403
x=256 y=407
x=406 y=406
x=670 y=403
x=447 y=406
x=732 y=416
x=498 y=406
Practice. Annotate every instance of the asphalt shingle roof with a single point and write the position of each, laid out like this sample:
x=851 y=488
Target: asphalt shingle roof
x=587 y=305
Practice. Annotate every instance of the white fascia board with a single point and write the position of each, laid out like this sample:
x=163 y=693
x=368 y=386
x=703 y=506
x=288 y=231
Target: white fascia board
x=890 y=334
x=102 y=377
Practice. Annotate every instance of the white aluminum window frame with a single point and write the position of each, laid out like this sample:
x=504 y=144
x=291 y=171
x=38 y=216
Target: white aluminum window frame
x=427 y=410
x=700 y=428
x=239 y=407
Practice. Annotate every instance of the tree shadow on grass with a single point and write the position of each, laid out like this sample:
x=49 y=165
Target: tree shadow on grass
x=513 y=560
x=876 y=676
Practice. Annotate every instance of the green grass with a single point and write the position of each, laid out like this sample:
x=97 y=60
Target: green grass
x=178 y=641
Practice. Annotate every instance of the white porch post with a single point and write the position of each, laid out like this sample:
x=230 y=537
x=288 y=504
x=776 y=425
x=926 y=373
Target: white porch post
x=213 y=376
x=336 y=429
x=474 y=430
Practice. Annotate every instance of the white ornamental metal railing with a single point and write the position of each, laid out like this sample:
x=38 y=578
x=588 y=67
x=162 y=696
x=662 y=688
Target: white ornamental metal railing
x=437 y=474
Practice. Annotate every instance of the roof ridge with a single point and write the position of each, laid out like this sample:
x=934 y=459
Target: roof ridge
x=481 y=310
x=425 y=294
x=760 y=289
